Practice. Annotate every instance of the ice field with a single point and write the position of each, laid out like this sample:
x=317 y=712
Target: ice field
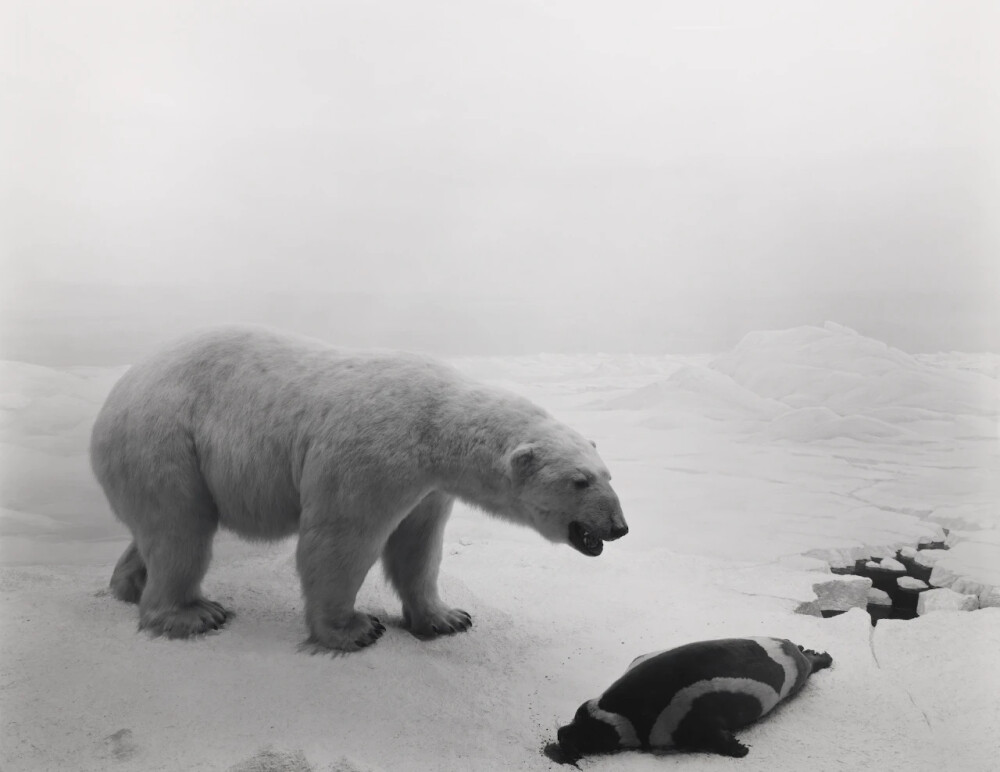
x=743 y=475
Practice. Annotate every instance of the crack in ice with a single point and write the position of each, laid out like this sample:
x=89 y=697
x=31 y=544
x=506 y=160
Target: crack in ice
x=871 y=647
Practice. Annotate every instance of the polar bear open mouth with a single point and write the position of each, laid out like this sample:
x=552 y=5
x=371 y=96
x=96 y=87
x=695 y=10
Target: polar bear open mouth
x=585 y=541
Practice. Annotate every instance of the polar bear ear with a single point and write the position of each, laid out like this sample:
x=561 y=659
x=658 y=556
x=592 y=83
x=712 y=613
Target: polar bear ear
x=592 y=443
x=523 y=461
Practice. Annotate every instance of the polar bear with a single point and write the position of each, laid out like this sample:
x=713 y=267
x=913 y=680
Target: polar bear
x=361 y=453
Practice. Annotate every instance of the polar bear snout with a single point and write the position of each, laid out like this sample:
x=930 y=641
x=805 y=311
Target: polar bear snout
x=617 y=526
x=617 y=531
x=600 y=522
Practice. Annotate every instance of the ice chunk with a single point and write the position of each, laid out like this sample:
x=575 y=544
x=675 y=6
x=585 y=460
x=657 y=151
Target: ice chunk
x=891 y=564
x=944 y=599
x=842 y=593
x=927 y=558
x=879 y=597
x=911 y=583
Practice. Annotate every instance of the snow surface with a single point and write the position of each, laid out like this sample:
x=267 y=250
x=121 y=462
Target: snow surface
x=743 y=477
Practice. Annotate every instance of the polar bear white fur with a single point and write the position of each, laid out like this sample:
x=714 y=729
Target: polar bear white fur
x=361 y=453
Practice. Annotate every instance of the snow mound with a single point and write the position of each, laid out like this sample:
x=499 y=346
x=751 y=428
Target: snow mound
x=811 y=384
x=45 y=421
x=51 y=410
x=713 y=393
x=850 y=374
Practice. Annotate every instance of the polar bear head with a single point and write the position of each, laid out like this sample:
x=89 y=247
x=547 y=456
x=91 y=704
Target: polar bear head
x=562 y=489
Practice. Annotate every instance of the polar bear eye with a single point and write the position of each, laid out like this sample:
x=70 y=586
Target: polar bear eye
x=581 y=482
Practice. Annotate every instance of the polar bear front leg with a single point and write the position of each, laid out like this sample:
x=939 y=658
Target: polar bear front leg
x=332 y=569
x=411 y=558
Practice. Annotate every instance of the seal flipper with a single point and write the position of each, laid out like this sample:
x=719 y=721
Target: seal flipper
x=818 y=659
x=712 y=739
x=726 y=744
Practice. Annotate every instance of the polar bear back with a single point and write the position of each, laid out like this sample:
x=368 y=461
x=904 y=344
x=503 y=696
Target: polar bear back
x=251 y=405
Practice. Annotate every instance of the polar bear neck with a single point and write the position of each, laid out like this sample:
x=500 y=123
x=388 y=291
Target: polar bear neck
x=476 y=431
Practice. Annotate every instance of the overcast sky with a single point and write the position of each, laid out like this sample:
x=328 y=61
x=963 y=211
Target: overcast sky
x=577 y=153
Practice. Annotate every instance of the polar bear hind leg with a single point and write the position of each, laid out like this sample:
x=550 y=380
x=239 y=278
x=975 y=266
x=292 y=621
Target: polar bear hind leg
x=129 y=576
x=411 y=558
x=176 y=551
x=162 y=568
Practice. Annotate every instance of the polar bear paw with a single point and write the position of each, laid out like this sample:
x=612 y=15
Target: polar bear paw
x=199 y=617
x=439 y=620
x=360 y=631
